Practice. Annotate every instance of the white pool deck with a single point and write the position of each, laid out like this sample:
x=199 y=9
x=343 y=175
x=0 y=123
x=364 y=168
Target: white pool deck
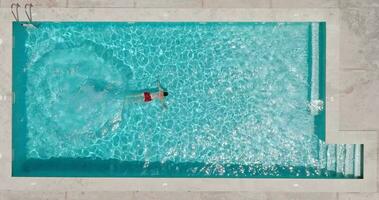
x=352 y=96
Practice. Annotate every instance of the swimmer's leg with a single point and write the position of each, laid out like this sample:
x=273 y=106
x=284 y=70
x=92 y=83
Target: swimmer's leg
x=133 y=98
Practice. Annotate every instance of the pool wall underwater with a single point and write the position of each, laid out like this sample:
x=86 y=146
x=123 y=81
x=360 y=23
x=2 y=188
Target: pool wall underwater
x=333 y=135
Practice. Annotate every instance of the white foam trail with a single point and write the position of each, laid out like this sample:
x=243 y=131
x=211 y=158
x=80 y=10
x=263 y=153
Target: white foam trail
x=316 y=105
x=315 y=62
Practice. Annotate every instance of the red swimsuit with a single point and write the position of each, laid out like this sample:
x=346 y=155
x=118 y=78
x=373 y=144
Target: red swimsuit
x=147 y=96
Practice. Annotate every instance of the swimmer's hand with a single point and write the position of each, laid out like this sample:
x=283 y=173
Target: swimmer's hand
x=164 y=105
x=159 y=86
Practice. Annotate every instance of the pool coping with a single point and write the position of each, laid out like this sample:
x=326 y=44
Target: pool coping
x=334 y=134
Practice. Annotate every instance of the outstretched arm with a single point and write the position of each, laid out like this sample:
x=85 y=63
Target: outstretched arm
x=159 y=86
x=162 y=100
x=164 y=105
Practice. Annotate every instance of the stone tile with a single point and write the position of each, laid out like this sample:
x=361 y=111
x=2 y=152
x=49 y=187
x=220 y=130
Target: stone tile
x=101 y=3
x=301 y=196
x=36 y=3
x=305 y=3
x=237 y=3
x=266 y=196
x=166 y=195
x=5 y=117
x=359 y=41
x=168 y=3
x=99 y=195
x=132 y=195
x=359 y=99
x=359 y=3
x=233 y=196
x=358 y=196
x=5 y=83
x=31 y=195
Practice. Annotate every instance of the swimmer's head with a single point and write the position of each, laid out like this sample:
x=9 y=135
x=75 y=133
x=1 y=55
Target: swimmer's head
x=165 y=93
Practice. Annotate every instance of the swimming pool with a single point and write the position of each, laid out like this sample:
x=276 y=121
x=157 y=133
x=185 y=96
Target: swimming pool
x=243 y=101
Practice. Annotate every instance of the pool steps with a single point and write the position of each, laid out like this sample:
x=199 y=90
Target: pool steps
x=349 y=159
x=344 y=160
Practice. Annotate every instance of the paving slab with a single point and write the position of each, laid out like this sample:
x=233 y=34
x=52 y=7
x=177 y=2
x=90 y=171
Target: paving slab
x=168 y=3
x=199 y=195
x=100 y=3
x=302 y=196
x=233 y=196
x=237 y=3
x=32 y=195
x=359 y=3
x=36 y=3
x=359 y=99
x=305 y=3
x=359 y=40
x=358 y=196
x=99 y=195
x=167 y=195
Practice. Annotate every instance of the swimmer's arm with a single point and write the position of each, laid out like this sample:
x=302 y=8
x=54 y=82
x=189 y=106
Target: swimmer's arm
x=164 y=105
x=159 y=86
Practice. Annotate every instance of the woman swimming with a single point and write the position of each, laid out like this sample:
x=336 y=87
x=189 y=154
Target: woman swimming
x=150 y=96
x=161 y=94
x=130 y=96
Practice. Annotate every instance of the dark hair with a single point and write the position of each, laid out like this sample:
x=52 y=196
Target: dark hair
x=165 y=93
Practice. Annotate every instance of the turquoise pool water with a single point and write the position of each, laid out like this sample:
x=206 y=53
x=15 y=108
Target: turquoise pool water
x=245 y=100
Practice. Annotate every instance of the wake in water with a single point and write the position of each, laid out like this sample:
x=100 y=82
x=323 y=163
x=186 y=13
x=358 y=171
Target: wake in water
x=80 y=96
x=240 y=94
x=316 y=106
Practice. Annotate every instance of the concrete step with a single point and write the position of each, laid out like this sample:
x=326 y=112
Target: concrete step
x=349 y=160
x=358 y=160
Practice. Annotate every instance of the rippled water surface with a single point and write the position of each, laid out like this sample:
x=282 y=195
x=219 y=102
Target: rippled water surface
x=238 y=95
